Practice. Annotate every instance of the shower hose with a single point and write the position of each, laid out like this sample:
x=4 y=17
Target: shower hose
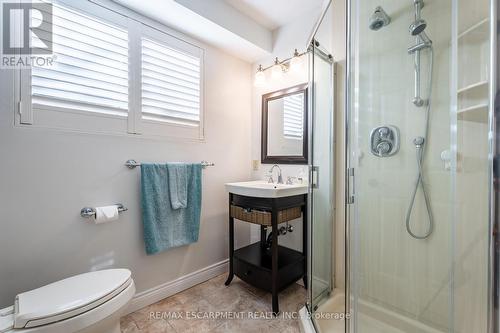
x=420 y=143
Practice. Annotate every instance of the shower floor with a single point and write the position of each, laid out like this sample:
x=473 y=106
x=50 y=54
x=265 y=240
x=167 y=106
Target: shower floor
x=371 y=325
x=367 y=324
x=335 y=304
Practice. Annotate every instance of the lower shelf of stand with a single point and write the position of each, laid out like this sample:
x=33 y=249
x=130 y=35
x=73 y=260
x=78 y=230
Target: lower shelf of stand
x=252 y=264
x=477 y=113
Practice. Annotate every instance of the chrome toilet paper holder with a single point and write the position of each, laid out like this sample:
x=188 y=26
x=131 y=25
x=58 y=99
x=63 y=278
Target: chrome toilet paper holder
x=90 y=212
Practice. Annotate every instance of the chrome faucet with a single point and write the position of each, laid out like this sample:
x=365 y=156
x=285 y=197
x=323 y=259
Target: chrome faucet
x=280 y=177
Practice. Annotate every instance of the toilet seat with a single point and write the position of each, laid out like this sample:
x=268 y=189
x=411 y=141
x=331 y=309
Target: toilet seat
x=69 y=298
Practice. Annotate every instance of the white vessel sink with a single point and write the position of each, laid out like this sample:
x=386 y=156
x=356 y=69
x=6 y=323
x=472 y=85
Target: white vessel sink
x=262 y=189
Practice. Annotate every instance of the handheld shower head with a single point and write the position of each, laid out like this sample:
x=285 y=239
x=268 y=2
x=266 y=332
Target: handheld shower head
x=423 y=41
x=417 y=27
x=379 y=19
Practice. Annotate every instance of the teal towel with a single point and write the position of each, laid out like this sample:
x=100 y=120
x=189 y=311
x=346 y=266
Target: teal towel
x=178 y=184
x=165 y=227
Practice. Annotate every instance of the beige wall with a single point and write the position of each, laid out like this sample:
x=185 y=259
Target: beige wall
x=287 y=38
x=48 y=176
x=294 y=239
x=332 y=35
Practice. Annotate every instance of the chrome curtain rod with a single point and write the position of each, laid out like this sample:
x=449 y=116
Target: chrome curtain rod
x=132 y=164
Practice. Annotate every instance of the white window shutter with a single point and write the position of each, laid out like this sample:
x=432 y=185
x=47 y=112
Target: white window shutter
x=90 y=71
x=293 y=118
x=113 y=74
x=171 y=84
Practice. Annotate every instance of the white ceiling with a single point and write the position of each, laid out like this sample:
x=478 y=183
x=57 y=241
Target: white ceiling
x=185 y=20
x=243 y=28
x=273 y=14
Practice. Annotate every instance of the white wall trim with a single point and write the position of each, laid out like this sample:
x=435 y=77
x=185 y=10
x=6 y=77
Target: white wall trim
x=170 y=288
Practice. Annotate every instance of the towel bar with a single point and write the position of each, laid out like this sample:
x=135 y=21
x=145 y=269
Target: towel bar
x=90 y=212
x=132 y=164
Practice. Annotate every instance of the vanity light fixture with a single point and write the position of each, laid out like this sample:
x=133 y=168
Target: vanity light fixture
x=292 y=64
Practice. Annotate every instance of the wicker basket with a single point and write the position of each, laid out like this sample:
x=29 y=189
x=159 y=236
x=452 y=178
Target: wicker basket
x=264 y=217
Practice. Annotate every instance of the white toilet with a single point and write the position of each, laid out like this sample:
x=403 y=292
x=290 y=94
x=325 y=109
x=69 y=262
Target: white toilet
x=87 y=303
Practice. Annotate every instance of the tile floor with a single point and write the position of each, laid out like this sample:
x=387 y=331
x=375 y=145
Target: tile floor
x=186 y=312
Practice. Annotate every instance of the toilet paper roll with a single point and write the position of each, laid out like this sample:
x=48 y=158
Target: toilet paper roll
x=106 y=214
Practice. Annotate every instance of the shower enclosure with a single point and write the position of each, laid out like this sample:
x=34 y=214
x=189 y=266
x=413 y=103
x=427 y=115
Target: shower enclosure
x=420 y=102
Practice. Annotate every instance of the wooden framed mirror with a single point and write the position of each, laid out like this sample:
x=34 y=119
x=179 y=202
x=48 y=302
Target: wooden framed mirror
x=284 y=126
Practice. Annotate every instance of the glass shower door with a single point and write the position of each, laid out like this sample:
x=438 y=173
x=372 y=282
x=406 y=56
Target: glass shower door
x=399 y=116
x=321 y=196
x=418 y=149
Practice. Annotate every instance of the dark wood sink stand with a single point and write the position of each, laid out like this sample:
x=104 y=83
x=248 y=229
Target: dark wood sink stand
x=275 y=269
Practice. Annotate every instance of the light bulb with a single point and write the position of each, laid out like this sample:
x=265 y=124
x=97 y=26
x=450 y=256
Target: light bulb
x=296 y=64
x=260 y=78
x=276 y=70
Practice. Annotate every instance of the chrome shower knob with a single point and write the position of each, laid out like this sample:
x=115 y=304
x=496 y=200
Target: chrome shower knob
x=384 y=148
x=383 y=132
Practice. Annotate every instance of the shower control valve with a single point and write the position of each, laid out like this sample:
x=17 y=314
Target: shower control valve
x=384 y=141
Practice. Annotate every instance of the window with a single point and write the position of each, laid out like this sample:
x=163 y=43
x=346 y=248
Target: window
x=112 y=74
x=91 y=68
x=293 y=113
x=170 y=84
x=171 y=91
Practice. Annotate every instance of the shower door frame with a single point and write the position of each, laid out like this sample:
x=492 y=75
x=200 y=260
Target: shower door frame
x=494 y=174
x=315 y=50
x=348 y=195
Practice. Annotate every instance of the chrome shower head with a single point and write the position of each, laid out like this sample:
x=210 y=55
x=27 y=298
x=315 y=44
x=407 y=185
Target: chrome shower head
x=379 y=19
x=423 y=41
x=417 y=27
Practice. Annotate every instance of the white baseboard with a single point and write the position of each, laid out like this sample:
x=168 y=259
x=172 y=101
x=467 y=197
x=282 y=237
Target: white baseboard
x=170 y=288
